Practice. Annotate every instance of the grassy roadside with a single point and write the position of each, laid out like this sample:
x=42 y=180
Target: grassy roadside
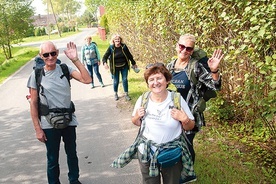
x=219 y=158
x=22 y=55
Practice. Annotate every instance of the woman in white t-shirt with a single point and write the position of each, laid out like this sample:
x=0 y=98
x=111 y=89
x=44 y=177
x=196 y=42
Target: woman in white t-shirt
x=161 y=127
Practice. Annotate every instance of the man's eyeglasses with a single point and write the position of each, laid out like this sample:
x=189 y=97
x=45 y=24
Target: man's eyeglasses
x=182 y=47
x=49 y=53
x=154 y=64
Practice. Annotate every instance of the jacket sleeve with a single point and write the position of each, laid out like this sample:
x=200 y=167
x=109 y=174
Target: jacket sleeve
x=205 y=77
x=129 y=55
x=106 y=55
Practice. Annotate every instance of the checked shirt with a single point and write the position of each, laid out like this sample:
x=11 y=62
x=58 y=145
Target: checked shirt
x=131 y=153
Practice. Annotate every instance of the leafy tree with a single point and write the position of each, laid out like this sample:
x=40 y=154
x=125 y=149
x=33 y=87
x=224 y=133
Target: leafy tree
x=63 y=8
x=88 y=18
x=15 y=21
x=92 y=5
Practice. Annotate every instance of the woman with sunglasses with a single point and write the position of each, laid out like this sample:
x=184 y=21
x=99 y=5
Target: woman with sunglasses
x=161 y=130
x=120 y=58
x=208 y=77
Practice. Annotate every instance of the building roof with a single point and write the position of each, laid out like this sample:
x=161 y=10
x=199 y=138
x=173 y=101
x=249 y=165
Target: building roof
x=43 y=20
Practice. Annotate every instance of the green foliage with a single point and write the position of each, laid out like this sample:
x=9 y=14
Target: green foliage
x=39 y=31
x=88 y=18
x=245 y=31
x=22 y=55
x=14 y=23
x=104 y=23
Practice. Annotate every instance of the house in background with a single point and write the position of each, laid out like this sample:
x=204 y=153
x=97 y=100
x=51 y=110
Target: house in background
x=44 y=20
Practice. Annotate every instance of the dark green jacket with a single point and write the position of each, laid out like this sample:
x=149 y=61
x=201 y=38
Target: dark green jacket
x=110 y=52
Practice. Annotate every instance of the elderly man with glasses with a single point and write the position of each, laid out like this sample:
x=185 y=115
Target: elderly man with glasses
x=54 y=94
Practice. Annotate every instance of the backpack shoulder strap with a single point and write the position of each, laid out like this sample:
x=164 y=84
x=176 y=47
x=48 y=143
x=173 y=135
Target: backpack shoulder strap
x=38 y=77
x=171 y=65
x=176 y=98
x=65 y=72
x=145 y=99
x=191 y=71
x=196 y=56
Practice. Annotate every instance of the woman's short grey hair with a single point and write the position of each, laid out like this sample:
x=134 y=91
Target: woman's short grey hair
x=188 y=37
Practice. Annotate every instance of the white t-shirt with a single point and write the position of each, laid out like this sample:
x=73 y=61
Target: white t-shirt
x=160 y=127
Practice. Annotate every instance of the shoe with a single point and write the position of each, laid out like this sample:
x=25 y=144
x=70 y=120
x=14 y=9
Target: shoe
x=102 y=85
x=188 y=179
x=116 y=97
x=127 y=98
x=75 y=182
x=92 y=86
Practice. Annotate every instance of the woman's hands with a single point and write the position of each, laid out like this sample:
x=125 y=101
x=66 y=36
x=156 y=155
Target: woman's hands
x=214 y=61
x=180 y=115
x=140 y=113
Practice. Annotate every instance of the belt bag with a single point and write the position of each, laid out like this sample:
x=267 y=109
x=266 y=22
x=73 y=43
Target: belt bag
x=169 y=156
x=60 y=118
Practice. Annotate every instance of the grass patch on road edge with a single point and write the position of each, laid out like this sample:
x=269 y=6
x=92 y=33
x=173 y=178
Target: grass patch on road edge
x=21 y=55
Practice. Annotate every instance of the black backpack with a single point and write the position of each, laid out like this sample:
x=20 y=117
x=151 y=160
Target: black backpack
x=39 y=72
x=39 y=63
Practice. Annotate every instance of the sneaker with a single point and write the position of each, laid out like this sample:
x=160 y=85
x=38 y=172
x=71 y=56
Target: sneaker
x=116 y=96
x=188 y=179
x=75 y=182
x=92 y=86
x=102 y=85
x=127 y=98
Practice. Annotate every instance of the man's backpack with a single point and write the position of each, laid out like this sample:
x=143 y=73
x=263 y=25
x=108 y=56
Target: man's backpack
x=39 y=72
x=39 y=63
x=198 y=56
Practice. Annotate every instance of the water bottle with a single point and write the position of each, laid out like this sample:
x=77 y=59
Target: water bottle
x=136 y=70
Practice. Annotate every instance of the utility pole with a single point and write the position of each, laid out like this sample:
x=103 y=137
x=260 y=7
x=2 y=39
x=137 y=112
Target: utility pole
x=48 y=25
x=55 y=18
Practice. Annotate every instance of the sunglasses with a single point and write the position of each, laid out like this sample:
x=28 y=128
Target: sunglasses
x=182 y=47
x=54 y=53
x=154 y=64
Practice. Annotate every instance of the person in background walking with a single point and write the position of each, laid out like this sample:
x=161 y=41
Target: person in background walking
x=120 y=57
x=90 y=56
x=54 y=94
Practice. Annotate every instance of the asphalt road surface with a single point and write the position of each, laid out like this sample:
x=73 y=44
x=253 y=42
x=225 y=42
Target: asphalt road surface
x=104 y=130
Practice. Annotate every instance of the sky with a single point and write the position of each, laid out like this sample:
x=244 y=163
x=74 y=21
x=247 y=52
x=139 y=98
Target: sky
x=41 y=9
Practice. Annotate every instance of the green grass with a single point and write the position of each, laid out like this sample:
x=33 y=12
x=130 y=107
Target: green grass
x=220 y=159
x=21 y=55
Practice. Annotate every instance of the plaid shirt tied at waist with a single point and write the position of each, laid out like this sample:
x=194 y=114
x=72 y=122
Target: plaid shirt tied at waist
x=131 y=153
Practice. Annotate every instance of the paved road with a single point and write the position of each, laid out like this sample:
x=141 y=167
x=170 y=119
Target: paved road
x=104 y=131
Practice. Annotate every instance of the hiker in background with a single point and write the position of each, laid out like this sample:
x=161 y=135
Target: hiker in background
x=208 y=78
x=161 y=133
x=120 y=57
x=56 y=119
x=90 y=56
